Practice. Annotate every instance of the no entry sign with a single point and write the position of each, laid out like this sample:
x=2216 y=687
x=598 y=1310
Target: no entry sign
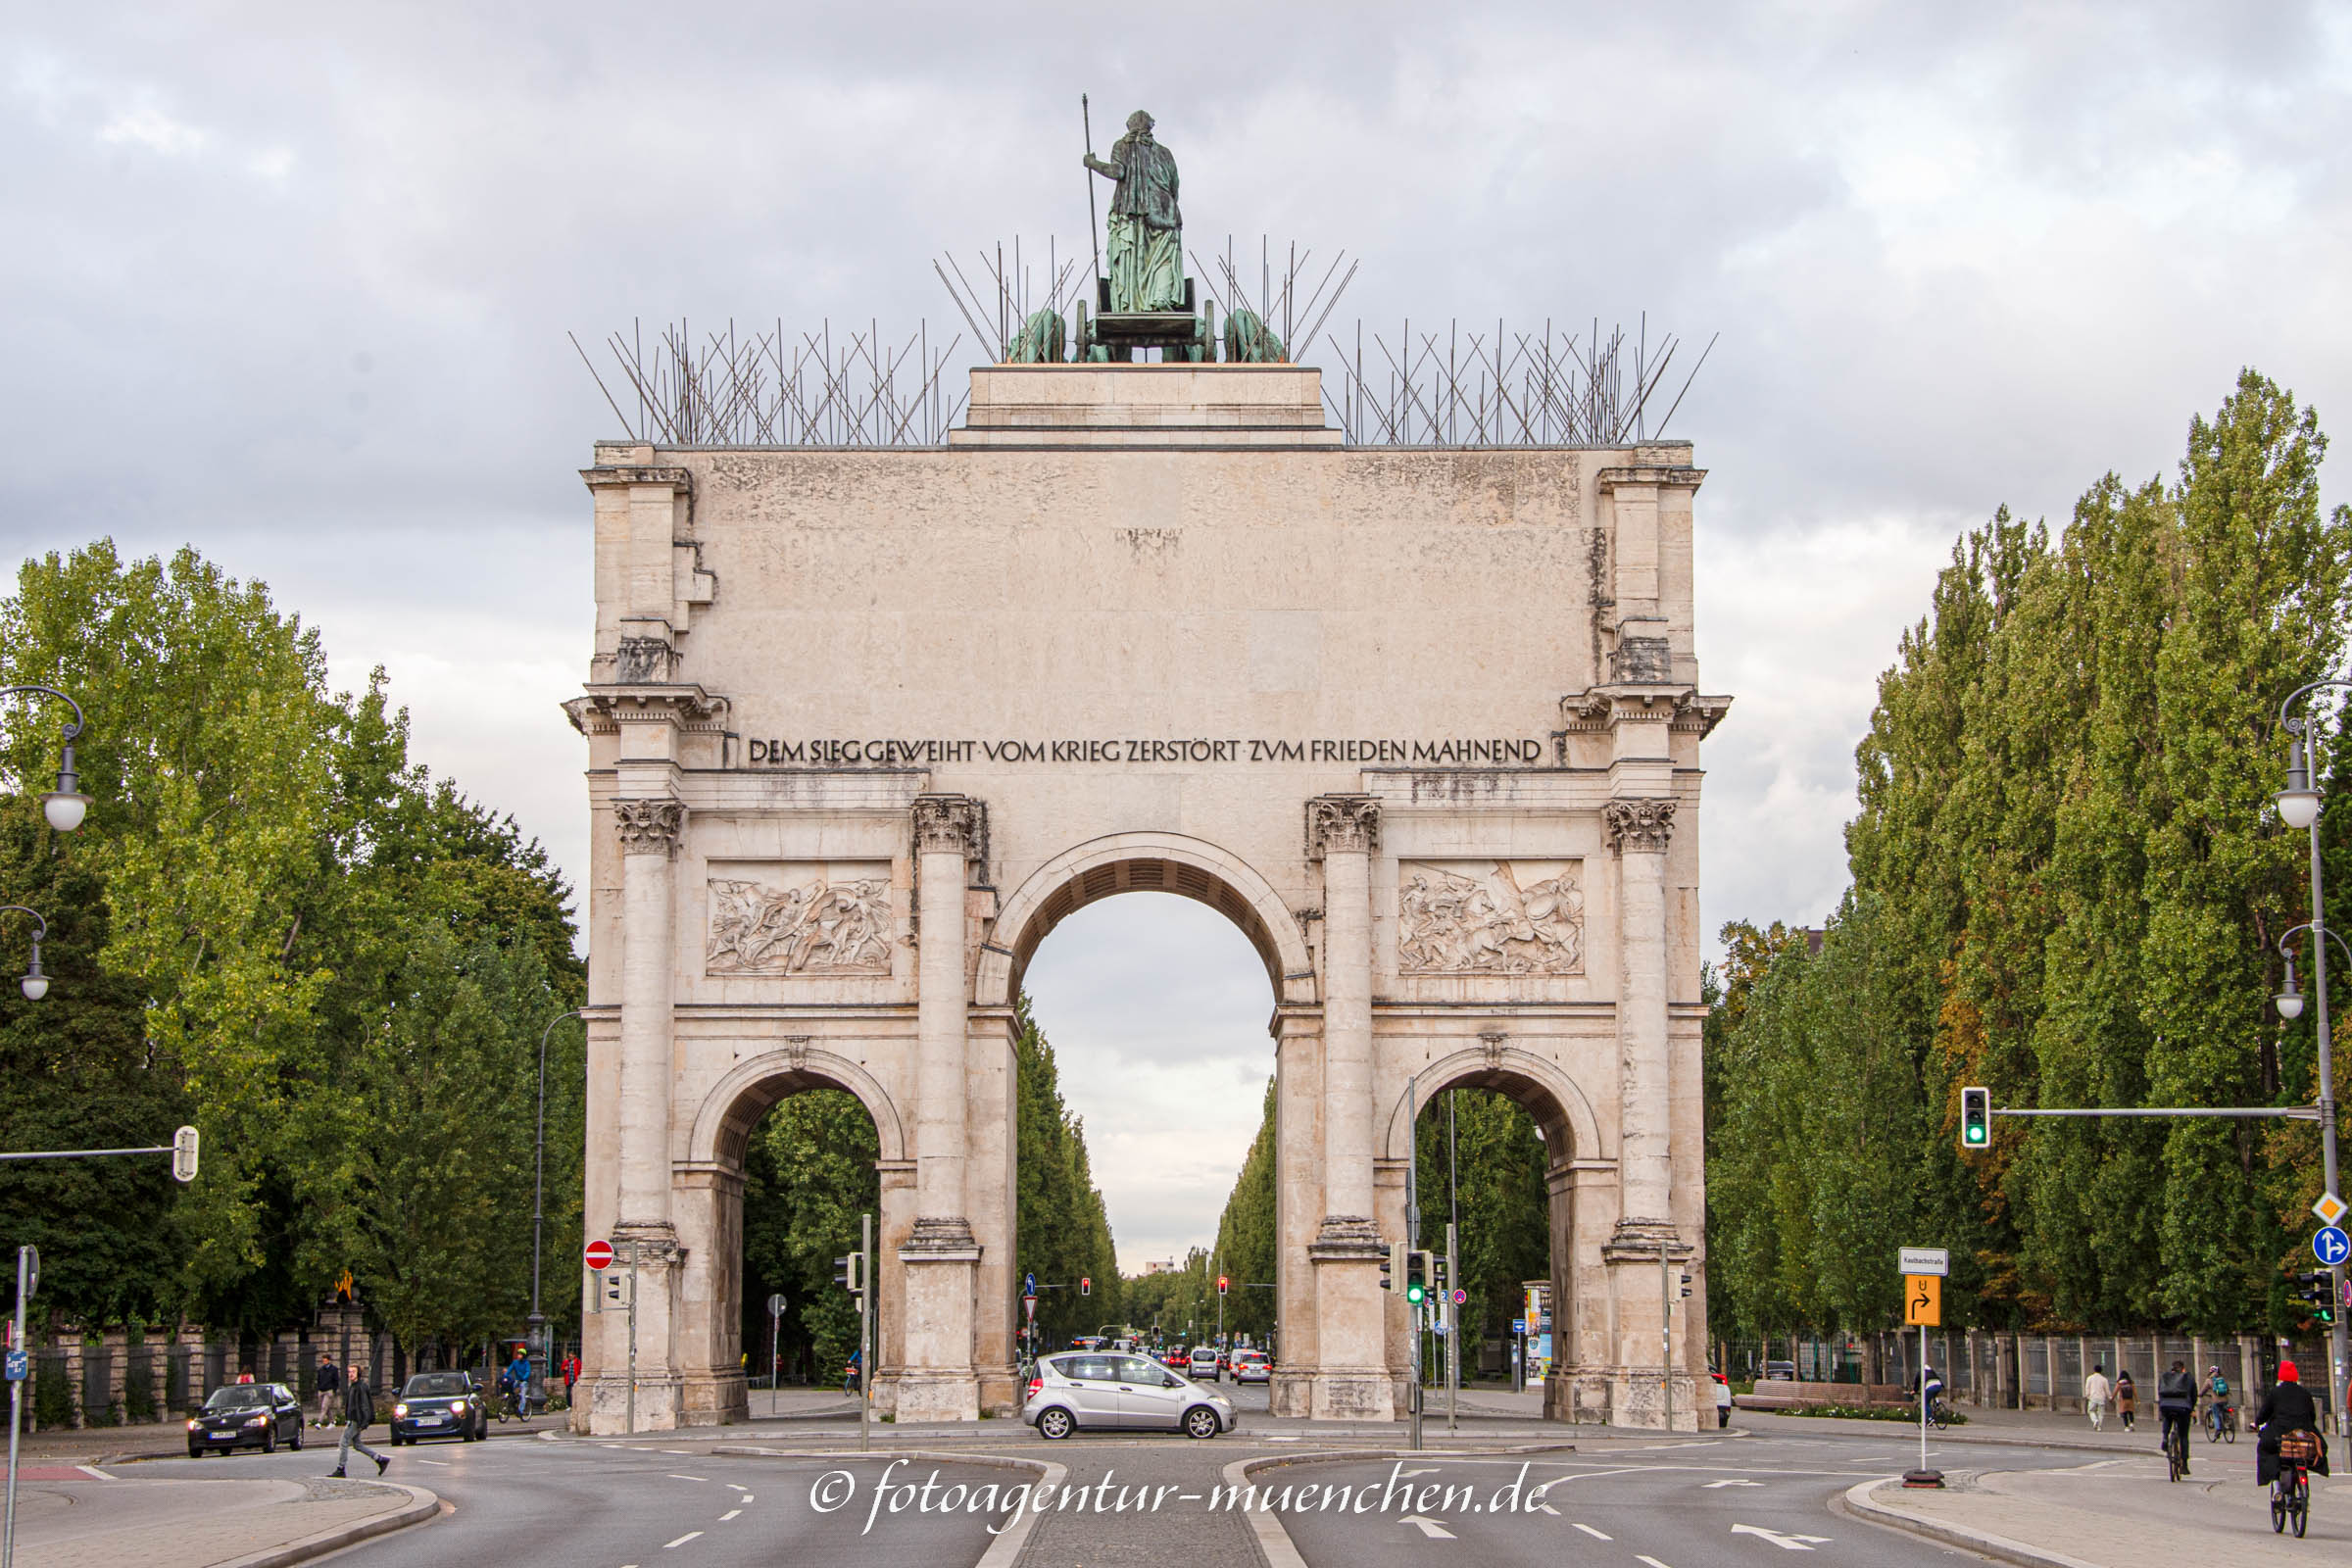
x=600 y=1254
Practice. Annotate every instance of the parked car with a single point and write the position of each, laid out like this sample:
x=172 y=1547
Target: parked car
x=246 y=1415
x=1251 y=1366
x=1179 y=1359
x=1085 y=1388
x=1781 y=1371
x=1205 y=1362
x=440 y=1404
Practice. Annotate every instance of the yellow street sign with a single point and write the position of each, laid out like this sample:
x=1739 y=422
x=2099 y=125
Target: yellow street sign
x=1922 y=1300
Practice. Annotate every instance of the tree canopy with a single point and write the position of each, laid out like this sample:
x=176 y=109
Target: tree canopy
x=2070 y=886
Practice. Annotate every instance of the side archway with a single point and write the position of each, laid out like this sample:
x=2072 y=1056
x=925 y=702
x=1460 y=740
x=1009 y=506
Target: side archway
x=736 y=1104
x=1144 y=862
x=1571 y=1132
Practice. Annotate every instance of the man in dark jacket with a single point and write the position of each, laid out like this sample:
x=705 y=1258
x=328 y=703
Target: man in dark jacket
x=359 y=1414
x=2287 y=1407
x=2176 y=1404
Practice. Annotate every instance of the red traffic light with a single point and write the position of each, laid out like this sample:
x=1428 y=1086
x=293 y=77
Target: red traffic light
x=1221 y=1282
x=1086 y=1284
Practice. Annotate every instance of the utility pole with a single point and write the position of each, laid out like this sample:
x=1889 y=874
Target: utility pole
x=865 y=1331
x=1453 y=1267
x=28 y=1269
x=1666 y=1326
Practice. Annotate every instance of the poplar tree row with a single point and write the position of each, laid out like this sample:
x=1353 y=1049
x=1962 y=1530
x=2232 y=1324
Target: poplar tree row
x=2069 y=884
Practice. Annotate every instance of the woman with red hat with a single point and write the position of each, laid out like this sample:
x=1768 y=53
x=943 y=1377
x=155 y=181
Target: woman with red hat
x=2287 y=1407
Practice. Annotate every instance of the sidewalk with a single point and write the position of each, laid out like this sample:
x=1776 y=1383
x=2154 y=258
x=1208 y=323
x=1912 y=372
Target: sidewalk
x=94 y=1523
x=2116 y=1513
x=2041 y=1428
x=168 y=1439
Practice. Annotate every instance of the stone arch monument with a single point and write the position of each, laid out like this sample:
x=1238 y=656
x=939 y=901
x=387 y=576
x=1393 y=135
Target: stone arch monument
x=864 y=724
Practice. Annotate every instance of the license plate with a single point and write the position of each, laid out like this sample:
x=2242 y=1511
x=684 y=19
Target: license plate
x=431 y=1420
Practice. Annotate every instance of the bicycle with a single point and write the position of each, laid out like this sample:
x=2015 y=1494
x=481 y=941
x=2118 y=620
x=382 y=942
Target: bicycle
x=1939 y=1414
x=2291 y=1493
x=2220 y=1423
x=2176 y=1450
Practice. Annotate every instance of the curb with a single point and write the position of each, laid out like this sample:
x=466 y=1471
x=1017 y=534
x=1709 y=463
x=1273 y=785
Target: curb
x=1956 y=1435
x=1003 y=1552
x=1858 y=1503
x=421 y=1506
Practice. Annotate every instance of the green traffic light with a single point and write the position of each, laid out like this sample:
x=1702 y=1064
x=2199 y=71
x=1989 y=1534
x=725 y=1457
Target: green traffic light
x=1413 y=1293
x=1976 y=1136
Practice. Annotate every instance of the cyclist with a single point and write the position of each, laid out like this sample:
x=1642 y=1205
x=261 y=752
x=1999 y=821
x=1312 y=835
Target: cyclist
x=1930 y=1391
x=2287 y=1407
x=2176 y=1404
x=849 y=1375
x=517 y=1378
x=2217 y=1390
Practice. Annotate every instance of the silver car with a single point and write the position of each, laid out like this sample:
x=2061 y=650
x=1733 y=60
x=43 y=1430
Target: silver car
x=1102 y=1391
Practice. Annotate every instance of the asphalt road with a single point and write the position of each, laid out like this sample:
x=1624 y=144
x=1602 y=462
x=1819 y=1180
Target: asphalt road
x=520 y=1502
x=1743 y=1502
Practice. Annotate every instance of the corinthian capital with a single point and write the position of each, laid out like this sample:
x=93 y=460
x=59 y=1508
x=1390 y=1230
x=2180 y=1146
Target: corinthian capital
x=1640 y=825
x=1345 y=824
x=650 y=826
x=954 y=824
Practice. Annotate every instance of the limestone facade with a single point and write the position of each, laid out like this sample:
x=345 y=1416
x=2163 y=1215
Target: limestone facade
x=863 y=725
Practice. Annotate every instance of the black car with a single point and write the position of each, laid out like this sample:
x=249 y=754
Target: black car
x=440 y=1404
x=246 y=1415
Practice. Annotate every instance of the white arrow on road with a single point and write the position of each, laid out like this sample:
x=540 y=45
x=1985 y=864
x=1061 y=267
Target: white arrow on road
x=1712 y=1485
x=1429 y=1527
x=1425 y=1470
x=1785 y=1542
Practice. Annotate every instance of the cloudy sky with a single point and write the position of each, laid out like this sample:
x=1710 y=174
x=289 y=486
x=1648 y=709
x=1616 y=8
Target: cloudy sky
x=291 y=282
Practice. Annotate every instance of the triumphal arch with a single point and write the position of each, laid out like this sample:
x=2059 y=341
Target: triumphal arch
x=864 y=724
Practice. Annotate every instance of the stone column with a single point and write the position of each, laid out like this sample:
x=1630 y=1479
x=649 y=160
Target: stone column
x=651 y=829
x=1352 y=1380
x=1639 y=831
x=939 y=1381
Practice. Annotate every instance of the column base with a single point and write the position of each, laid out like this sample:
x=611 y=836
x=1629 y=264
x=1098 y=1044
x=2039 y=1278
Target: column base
x=928 y=1396
x=1001 y=1392
x=1637 y=1398
x=1352 y=1394
x=1291 y=1394
x=714 y=1398
x=660 y=1403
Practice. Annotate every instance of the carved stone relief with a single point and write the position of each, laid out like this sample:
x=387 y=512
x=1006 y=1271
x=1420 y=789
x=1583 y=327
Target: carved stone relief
x=1491 y=917
x=800 y=921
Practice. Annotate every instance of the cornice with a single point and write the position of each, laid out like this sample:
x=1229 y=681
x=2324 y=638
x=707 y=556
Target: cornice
x=605 y=709
x=1663 y=476
x=680 y=482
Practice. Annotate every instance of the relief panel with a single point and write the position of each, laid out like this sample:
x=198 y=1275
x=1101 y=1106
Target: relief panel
x=799 y=918
x=1489 y=917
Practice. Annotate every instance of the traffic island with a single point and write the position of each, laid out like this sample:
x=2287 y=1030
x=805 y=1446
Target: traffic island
x=92 y=1522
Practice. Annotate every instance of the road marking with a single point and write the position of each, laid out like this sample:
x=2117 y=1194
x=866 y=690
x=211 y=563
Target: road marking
x=737 y=1485
x=1595 y=1534
x=1652 y=1561
x=692 y=1534
x=674 y=1450
x=441 y=1464
x=1712 y=1485
x=1429 y=1527
x=746 y=1497
x=1425 y=1470
x=675 y=1476
x=1785 y=1542
x=729 y=1514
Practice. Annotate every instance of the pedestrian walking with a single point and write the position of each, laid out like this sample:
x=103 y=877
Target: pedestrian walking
x=1722 y=1401
x=329 y=1378
x=2095 y=1392
x=2126 y=1397
x=359 y=1414
x=572 y=1374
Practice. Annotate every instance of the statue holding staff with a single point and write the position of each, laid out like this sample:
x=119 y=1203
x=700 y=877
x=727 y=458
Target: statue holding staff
x=1147 y=232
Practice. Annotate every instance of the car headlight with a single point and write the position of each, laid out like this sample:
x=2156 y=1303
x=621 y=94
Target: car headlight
x=457 y=1408
x=257 y=1420
x=195 y=1426
x=400 y=1410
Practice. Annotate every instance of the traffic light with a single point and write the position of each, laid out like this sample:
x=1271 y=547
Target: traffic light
x=1416 y=1278
x=1221 y=1284
x=1388 y=1265
x=1976 y=1118
x=1439 y=1277
x=613 y=1282
x=1685 y=1285
x=183 y=1156
x=2318 y=1291
x=1086 y=1284
x=847 y=1272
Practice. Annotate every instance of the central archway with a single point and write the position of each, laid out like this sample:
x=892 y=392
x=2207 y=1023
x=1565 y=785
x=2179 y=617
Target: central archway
x=1137 y=862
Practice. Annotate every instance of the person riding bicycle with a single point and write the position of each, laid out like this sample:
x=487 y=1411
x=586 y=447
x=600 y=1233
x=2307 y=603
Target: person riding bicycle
x=2216 y=1388
x=2287 y=1407
x=1931 y=1388
x=2176 y=1404
x=518 y=1379
x=849 y=1373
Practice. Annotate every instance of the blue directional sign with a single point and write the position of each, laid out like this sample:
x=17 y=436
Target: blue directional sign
x=1029 y=1285
x=1518 y=1325
x=2331 y=1246
x=17 y=1366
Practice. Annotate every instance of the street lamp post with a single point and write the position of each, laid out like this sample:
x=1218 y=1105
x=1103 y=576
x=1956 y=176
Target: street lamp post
x=2299 y=808
x=34 y=985
x=538 y=1199
x=65 y=806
